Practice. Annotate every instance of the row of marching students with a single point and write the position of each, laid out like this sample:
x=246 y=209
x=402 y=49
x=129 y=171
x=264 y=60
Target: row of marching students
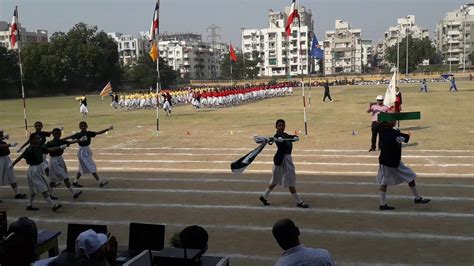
x=39 y=169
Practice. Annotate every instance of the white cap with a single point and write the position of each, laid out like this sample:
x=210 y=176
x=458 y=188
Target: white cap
x=379 y=98
x=88 y=242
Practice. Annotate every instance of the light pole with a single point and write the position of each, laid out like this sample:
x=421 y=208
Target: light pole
x=243 y=53
x=450 y=43
x=398 y=48
x=406 y=66
x=464 y=43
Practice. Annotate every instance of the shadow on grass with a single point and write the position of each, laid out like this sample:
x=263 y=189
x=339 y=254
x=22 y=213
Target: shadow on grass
x=410 y=144
x=415 y=128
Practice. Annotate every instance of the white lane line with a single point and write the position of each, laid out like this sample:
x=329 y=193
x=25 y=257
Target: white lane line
x=259 y=181
x=241 y=192
x=239 y=228
x=250 y=148
x=266 y=163
x=271 y=155
x=227 y=171
x=259 y=208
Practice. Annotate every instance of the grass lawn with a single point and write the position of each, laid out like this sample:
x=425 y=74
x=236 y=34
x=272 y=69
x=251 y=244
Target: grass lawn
x=446 y=119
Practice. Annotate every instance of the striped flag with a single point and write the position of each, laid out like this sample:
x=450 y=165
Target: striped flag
x=14 y=29
x=293 y=14
x=239 y=166
x=155 y=22
x=232 y=54
x=106 y=90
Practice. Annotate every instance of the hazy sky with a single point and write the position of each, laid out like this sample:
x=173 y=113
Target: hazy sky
x=133 y=16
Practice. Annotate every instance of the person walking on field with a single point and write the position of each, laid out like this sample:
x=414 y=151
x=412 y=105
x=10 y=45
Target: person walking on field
x=283 y=172
x=375 y=109
x=327 y=93
x=84 y=154
x=453 y=85
x=392 y=171
x=424 y=87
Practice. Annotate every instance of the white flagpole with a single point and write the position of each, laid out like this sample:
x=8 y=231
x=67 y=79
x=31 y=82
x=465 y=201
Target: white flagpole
x=302 y=77
x=158 y=84
x=21 y=72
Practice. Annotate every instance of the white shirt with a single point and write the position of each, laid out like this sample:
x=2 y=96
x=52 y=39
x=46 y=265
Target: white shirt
x=303 y=256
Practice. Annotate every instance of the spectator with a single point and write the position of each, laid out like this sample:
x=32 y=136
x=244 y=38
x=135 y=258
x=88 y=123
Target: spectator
x=194 y=237
x=424 y=87
x=21 y=243
x=287 y=236
x=375 y=109
x=326 y=92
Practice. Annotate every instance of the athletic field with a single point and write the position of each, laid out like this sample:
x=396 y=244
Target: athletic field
x=182 y=176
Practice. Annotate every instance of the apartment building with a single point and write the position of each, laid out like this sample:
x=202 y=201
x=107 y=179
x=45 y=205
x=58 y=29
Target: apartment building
x=26 y=37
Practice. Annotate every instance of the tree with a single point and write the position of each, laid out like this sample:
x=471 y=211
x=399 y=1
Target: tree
x=10 y=77
x=144 y=73
x=242 y=69
x=418 y=50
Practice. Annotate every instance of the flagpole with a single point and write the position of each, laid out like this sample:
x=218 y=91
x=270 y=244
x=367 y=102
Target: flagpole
x=158 y=85
x=21 y=73
x=302 y=76
x=230 y=61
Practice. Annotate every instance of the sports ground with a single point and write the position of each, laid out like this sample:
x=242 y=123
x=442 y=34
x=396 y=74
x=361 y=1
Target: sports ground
x=182 y=176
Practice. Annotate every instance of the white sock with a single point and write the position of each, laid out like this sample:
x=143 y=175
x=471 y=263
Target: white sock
x=415 y=192
x=71 y=190
x=297 y=197
x=383 y=195
x=48 y=199
x=267 y=193
x=15 y=189
x=31 y=199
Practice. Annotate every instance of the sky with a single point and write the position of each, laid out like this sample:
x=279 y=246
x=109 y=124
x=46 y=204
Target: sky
x=177 y=16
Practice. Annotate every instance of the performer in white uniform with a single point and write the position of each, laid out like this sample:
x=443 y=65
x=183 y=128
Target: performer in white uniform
x=7 y=177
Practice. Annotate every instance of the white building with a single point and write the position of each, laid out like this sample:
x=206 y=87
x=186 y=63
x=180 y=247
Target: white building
x=278 y=54
x=366 y=54
x=404 y=25
x=129 y=48
x=188 y=54
x=38 y=36
x=455 y=35
x=343 y=49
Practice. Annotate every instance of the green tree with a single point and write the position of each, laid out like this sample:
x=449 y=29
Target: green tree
x=242 y=69
x=418 y=50
x=10 y=74
x=143 y=74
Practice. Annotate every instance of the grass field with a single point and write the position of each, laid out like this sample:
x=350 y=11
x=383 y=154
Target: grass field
x=180 y=178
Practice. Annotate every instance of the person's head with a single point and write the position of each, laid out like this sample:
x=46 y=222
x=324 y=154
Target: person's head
x=397 y=89
x=57 y=133
x=390 y=123
x=91 y=244
x=21 y=242
x=83 y=126
x=1 y=133
x=38 y=126
x=286 y=233
x=379 y=99
x=194 y=237
x=35 y=140
x=280 y=125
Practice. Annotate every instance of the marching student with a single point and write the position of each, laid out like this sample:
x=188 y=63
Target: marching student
x=57 y=166
x=84 y=154
x=283 y=172
x=392 y=171
x=36 y=173
x=7 y=177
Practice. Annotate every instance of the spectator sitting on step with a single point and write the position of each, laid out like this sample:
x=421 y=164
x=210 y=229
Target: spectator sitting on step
x=193 y=237
x=287 y=236
x=20 y=243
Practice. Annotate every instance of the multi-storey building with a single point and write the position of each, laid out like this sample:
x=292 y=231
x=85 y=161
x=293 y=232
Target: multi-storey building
x=366 y=55
x=404 y=26
x=343 y=49
x=129 y=48
x=279 y=54
x=455 y=35
x=378 y=55
x=188 y=54
x=26 y=37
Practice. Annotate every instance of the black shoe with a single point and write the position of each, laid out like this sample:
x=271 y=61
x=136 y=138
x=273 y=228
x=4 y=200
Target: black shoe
x=386 y=207
x=52 y=184
x=76 y=184
x=20 y=196
x=371 y=149
x=422 y=200
x=31 y=208
x=103 y=183
x=302 y=205
x=264 y=201
x=53 y=197
x=77 y=194
x=56 y=207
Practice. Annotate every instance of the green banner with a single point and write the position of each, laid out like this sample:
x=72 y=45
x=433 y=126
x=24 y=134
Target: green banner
x=399 y=116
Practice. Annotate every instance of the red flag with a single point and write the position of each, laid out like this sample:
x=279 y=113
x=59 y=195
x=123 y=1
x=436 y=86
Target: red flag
x=14 y=29
x=155 y=23
x=233 y=57
x=293 y=14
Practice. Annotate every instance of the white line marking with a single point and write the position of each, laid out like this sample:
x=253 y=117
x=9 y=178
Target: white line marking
x=362 y=234
x=260 y=208
x=213 y=171
x=241 y=192
x=245 y=180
